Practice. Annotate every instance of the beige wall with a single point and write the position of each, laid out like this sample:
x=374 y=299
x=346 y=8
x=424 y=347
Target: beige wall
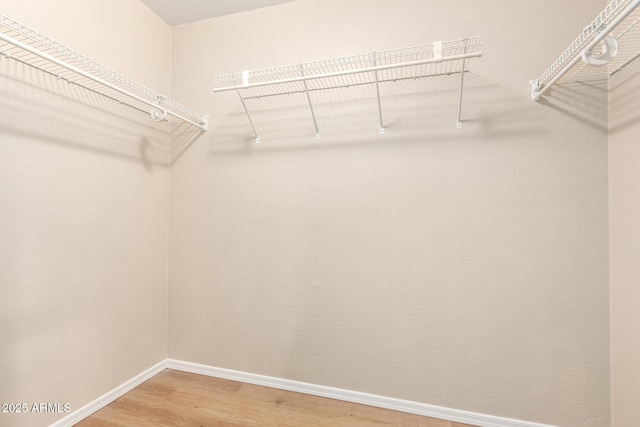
x=83 y=212
x=624 y=103
x=460 y=268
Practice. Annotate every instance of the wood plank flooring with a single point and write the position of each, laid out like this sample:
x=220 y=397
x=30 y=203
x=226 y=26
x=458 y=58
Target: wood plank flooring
x=179 y=399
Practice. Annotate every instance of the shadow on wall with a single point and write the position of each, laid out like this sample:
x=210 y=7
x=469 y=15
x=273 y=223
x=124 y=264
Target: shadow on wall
x=583 y=101
x=624 y=98
x=413 y=110
x=41 y=106
x=182 y=136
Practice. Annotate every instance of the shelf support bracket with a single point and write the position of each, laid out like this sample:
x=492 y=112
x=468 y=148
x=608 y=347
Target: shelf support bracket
x=246 y=110
x=375 y=63
x=459 y=121
x=437 y=51
x=535 y=90
x=306 y=91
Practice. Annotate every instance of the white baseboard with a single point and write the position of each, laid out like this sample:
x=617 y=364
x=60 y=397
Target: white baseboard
x=88 y=409
x=455 y=415
x=448 y=414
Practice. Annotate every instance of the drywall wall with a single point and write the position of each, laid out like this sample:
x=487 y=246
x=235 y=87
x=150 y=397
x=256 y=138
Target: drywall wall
x=624 y=103
x=83 y=216
x=467 y=268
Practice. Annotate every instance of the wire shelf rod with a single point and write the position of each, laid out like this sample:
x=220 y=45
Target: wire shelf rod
x=619 y=10
x=317 y=67
x=364 y=83
x=609 y=11
x=35 y=43
x=629 y=27
x=71 y=82
x=441 y=58
x=624 y=64
x=353 y=71
x=618 y=37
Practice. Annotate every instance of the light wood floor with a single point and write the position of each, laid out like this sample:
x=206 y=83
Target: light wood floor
x=174 y=398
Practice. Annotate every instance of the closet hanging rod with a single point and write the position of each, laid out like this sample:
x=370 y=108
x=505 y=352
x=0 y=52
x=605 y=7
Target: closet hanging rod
x=161 y=105
x=354 y=71
x=615 y=13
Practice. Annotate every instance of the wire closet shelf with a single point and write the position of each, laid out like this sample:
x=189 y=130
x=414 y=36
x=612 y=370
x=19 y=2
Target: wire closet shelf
x=603 y=48
x=22 y=44
x=440 y=58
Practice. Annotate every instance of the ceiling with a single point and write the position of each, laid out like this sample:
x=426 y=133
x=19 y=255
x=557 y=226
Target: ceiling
x=176 y=12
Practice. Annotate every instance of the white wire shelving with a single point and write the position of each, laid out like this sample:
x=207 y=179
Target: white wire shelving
x=25 y=45
x=602 y=49
x=374 y=68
